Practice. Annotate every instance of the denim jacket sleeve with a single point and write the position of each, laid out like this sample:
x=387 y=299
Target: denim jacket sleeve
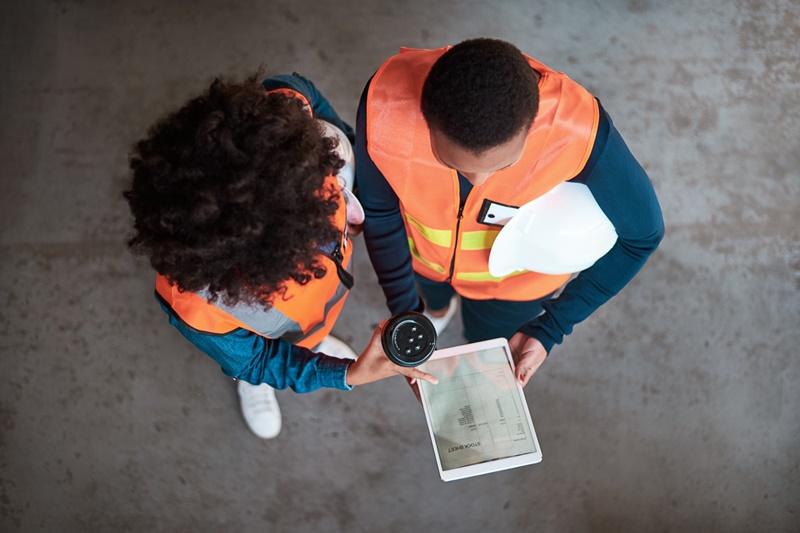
x=248 y=356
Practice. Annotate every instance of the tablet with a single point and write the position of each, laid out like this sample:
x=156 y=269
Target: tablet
x=477 y=415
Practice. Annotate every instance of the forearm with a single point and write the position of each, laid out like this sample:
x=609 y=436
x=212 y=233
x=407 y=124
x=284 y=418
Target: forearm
x=387 y=247
x=282 y=364
x=256 y=359
x=586 y=293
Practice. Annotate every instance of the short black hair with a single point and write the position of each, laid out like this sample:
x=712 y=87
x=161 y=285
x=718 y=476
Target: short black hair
x=229 y=194
x=480 y=94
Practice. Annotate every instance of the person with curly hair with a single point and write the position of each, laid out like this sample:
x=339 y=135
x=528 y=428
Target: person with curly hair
x=450 y=136
x=237 y=206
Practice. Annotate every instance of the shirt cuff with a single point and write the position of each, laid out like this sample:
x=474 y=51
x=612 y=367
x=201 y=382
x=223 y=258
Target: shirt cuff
x=333 y=373
x=540 y=335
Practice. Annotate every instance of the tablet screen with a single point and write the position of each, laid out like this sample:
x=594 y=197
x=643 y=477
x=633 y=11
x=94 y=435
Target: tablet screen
x=477 y=413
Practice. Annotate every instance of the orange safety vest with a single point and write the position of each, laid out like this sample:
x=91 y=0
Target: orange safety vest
x=304 y=315
x=448 y=247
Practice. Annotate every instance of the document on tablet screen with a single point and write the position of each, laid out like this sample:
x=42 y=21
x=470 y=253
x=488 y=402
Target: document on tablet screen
x=476 y=411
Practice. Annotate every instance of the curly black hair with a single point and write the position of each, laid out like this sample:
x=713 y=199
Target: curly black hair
x=229 y=194
x=480 y=94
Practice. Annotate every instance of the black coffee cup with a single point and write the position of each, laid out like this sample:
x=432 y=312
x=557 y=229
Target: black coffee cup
x=409 y=339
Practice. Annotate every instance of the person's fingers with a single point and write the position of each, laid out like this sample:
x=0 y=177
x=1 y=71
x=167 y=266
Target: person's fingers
x=412 y=382
x=354 y=230
x=379 y=330
x=416 y=374
x=515 y=354
x=415 y=389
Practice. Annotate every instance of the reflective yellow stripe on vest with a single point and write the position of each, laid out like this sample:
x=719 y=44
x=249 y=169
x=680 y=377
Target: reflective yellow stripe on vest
x=470 y=241
x=439 y=237
x=478 y=240
x=414 y=252
x=485 y=276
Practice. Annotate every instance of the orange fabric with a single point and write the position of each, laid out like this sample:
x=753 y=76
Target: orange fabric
x=304 y=304
x=398 y=141
x=196 y=311
x=294 y=94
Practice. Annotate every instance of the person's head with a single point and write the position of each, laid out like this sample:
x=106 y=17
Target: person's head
x=479 y=100
x=228 y=193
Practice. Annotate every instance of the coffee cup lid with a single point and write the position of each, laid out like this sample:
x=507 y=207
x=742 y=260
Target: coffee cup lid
x=409 y=339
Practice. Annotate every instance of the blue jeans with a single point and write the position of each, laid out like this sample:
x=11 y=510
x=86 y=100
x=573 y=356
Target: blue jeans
x=483 y=319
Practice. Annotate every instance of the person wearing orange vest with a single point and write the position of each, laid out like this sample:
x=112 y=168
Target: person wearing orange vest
x=448 y=137
x=238 y=208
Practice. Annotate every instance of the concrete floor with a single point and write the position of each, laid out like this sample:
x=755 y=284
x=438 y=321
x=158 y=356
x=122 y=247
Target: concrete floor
x=675 y=407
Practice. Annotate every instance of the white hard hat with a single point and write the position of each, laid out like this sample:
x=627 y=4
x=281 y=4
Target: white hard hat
x=561 y=232
x=346 y=175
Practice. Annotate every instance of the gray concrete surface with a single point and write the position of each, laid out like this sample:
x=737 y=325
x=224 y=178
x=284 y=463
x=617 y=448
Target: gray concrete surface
x=674 y=408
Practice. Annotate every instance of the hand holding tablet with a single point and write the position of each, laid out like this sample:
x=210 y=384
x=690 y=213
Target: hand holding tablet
x=528 y=354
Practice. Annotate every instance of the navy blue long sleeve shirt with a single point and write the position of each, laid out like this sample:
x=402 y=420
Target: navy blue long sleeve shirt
x=619 y=185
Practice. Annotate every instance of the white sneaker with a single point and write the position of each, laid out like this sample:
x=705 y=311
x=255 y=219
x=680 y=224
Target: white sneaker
x=334 y=347
x=260 y=409
x=440 y=322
